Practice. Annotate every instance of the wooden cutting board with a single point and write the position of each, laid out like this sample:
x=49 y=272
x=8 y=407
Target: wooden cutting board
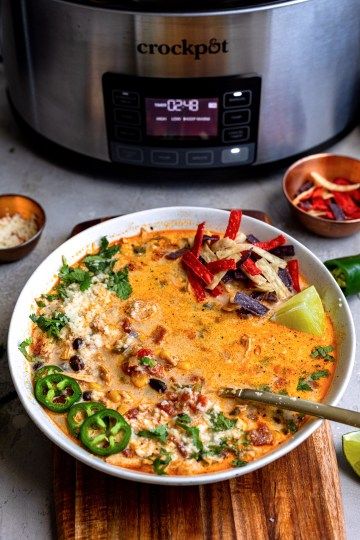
x=295 y=498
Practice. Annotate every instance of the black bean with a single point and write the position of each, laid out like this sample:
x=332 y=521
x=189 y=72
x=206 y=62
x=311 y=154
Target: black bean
x=87 y=396
x=37 y=365
x=158 y=385
x=76 y=363
x=77 y=343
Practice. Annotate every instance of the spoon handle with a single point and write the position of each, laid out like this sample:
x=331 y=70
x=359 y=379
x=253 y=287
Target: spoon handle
x=344 y=416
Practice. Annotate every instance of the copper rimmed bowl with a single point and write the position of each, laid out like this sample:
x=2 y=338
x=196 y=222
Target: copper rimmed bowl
x=172 y=218
x=330 y=166
x=27 y=208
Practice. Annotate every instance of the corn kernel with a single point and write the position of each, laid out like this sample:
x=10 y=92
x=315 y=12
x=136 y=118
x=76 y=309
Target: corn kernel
x=94 y=386
x=140 y=380
x=184 y=364
x=114 y=395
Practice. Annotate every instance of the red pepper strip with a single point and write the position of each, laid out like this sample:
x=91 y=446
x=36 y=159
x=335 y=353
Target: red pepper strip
x=197 y=267
x=271 y=244
x=199 y=291
x=234 y=224
x=293 y=267
x=198 y=240
x=318 y=203
x=318 y=192
x=250 y=267
x=341 y=181
x=144 y=352
x=219 y=289
x=346 y=203
x=222 y=264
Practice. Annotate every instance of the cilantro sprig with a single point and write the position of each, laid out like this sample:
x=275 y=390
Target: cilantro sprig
x=147 y=361
x=182 y=421
x=160 y=433
x=323 y=352
x=103 y=261
x=23 y=349
x=51 y=326
x=119 y=283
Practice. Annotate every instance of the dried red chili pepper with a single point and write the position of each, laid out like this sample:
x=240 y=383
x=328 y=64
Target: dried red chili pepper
x=191 y=262
x=198 y=239
x=271 y=244
x=250 y=267
x=293 y=267
x=199 y=291
x=222 y=264
x=234 y=224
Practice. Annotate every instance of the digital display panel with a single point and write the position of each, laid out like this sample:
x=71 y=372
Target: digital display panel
x=179 y=118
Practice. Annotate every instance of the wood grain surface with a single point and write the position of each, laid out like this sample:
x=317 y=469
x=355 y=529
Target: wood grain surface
x=296 y=497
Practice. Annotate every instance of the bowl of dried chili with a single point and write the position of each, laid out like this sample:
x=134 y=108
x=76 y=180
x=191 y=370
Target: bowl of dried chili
x=323 y=191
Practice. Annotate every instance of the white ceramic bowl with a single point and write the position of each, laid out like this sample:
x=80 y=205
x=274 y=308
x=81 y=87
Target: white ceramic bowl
x=172 y=218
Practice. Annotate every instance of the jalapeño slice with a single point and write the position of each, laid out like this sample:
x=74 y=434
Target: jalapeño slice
x=105 y=433
x=45 y=371
x=80 y=412
x=57 y=392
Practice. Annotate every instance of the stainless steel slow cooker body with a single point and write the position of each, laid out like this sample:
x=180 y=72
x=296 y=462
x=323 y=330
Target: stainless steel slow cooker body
x=303 y=56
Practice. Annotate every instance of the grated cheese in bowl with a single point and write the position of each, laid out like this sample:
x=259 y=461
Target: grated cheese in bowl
x=15 y=230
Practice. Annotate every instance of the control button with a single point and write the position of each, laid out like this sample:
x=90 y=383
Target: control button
x=241 y=116
x=126 y=116
x=235 y=155
x=163 y=157
x=240 y=98
x=126 y=98
x=204 y=157
x=127 y=134
x=129 y=155
x=239 y=134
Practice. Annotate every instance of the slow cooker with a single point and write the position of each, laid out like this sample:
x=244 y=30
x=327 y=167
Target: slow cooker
x=170 y=83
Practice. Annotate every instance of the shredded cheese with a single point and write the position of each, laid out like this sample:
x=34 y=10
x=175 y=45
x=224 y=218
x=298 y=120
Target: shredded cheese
x=15 y=230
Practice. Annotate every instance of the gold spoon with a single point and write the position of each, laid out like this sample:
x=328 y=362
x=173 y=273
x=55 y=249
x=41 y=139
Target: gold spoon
x=344 y=416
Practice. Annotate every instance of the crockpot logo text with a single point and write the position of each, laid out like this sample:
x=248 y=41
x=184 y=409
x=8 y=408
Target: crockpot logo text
x=184 y=48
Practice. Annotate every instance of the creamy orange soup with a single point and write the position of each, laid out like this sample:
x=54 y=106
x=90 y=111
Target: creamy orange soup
x=153 y=353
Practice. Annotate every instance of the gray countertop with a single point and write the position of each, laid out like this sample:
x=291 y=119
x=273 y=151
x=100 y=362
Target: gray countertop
x=73 y=191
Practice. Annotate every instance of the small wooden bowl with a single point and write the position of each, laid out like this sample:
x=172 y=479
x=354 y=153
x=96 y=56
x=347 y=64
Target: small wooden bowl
x=10 y=204
x=330 y=166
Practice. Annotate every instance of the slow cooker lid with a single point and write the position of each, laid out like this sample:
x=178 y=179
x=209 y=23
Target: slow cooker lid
x=167 y=6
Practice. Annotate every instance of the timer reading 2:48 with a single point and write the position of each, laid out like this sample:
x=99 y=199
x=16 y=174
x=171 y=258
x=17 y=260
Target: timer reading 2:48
x=178 y=105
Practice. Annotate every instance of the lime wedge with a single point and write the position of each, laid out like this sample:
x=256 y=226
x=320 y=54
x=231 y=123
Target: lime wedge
x=351 y=449
x=303 y=312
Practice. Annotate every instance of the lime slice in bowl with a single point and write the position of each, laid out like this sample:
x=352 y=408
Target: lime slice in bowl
x=351 y=450
x=303 y=312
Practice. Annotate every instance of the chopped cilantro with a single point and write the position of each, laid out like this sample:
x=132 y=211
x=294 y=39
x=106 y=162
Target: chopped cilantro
x=184 y=418
x=102 y=261
x=161 y=462
x=160 y=433
x=40 y=303
x=238 y=463
x=74 y=275
x=139 y=250
x=291 y=426
x=323 y=352
x=193 y=432
x=51 y=326
x=23 y=349
x=119 y=283
x=146 y=361
x=221 y=423
x=319 y=374
x=303 y=385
